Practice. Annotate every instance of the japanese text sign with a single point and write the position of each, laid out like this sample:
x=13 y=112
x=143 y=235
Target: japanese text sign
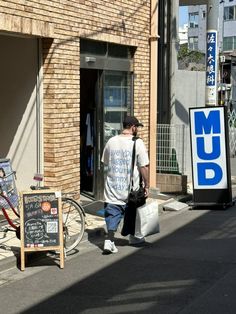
x=211 y=68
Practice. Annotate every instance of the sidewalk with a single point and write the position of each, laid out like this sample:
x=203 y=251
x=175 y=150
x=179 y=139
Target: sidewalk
x=10 y=245
x=95 y=225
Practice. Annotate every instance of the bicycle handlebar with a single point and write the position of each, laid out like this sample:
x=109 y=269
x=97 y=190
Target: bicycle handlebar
x=35 y=188
x=65 y=195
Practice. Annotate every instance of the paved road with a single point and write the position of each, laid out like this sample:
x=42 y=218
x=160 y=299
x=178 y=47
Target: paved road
x=190 y=267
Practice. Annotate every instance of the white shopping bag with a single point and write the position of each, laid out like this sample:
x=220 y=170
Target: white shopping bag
x=147 y=220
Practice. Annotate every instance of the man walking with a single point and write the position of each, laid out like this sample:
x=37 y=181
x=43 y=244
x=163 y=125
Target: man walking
x=117 y=156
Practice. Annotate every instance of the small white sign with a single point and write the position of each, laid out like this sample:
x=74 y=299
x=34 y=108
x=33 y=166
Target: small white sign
x=58 y=194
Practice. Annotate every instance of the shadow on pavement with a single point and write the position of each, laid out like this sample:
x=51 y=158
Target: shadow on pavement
x=189 y=268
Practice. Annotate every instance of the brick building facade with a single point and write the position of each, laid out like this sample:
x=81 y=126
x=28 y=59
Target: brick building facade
x=57 y=27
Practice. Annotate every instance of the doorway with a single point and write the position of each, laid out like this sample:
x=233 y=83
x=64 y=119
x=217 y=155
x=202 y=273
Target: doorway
x=105 y=100
x=89 y=106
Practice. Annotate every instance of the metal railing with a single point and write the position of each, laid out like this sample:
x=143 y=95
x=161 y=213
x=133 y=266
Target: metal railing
x=173 y=146
x=171 y=153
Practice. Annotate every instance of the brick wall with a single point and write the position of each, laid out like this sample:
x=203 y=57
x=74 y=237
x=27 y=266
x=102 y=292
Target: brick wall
x=172 y=183
x=118 y=21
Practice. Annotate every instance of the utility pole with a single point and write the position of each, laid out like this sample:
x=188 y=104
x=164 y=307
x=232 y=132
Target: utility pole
x=211 y=95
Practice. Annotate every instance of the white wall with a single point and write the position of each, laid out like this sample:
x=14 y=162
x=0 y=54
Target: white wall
x=190 y=92
x=18 y=132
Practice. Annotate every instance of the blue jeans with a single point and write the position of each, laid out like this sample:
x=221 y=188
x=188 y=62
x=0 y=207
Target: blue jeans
x=113 y=215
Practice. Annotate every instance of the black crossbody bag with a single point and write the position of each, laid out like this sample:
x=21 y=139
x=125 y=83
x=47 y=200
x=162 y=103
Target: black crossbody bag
x=135 y=198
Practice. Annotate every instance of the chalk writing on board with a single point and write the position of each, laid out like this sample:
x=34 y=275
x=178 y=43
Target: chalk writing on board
x=41 y=219
x=34 y=229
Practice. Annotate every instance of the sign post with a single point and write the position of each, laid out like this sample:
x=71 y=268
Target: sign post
x=210 y=156
x=41 y=223
x=211 y=68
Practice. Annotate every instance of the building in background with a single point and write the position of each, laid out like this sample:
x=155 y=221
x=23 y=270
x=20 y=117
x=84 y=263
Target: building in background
x=227 y=44
x=227 y=15
x=197 y=27
x=227 y=26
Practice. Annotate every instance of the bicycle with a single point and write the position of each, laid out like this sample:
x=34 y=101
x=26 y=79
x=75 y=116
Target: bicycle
x=73 y=216
x=72 y=212
x=6 y=202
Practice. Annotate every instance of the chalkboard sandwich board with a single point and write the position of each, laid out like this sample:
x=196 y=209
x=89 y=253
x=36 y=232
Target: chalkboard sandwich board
x=41 y=223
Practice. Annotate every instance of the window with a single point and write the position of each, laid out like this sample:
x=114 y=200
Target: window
x=93 y=47
x=229 y=43
x=229 y=13
x=101 y=48
x=193 y=20
x=193 y=43
x=118 y=51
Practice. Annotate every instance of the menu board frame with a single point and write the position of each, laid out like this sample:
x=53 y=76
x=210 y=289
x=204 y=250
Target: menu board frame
x=41 y=224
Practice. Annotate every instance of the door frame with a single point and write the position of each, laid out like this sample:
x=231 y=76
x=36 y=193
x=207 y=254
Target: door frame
x=101 y=64
x=39 y=110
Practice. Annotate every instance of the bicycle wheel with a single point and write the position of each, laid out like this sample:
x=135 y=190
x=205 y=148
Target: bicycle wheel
x=73 y=223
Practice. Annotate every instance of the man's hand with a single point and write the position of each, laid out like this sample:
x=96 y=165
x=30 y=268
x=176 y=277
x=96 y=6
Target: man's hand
x=144 y=173
x=146 y=191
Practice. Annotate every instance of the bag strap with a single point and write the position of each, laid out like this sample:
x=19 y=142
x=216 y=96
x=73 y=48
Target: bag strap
x=132 y=164
x=131 y=185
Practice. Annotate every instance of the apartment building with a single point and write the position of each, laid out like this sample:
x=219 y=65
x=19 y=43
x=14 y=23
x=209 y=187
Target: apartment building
x=227 y=26
x=227 y=17
x=197 y=27
x=226 y=42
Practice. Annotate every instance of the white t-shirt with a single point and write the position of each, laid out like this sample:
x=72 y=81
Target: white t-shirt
x=117 y=156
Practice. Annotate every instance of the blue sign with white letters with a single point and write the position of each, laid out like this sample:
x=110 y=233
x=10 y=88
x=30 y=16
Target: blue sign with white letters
x=211 y=68
x=209 y=149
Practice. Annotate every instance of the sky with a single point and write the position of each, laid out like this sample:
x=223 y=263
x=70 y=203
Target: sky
x=183 y=15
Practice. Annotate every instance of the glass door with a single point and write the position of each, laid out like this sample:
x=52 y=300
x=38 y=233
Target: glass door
x=106 y=98
x=117 y=101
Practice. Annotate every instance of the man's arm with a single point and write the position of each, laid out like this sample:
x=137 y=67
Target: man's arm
x=105 y=155
x=145 y=175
